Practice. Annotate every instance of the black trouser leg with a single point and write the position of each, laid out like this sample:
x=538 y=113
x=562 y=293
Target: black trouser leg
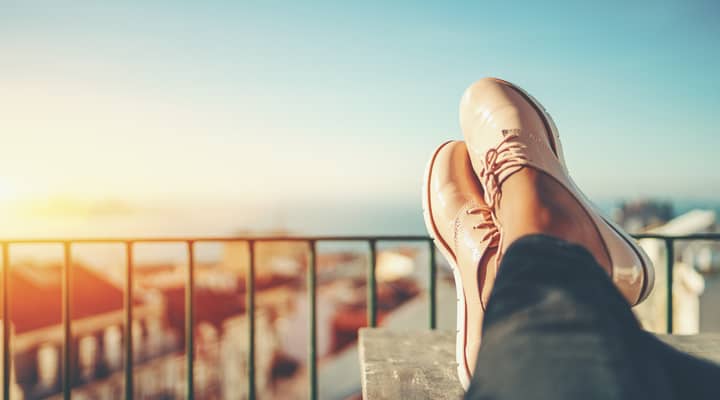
x=557 y=328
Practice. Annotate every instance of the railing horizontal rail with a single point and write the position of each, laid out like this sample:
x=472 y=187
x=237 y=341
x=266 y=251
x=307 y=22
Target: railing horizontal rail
x=388 y=238
x=251 y=240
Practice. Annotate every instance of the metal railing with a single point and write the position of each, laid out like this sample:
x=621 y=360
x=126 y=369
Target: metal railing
x=252 y=241
x=669 y=241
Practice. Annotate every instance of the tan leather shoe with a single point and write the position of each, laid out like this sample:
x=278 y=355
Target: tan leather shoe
x=505 y=130
x=460 y=222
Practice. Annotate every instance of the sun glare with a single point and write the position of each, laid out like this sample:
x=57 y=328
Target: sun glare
x=7 y=192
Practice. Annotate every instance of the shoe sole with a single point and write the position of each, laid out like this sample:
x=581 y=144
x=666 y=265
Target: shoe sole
x=649 y=271
x=460 y=334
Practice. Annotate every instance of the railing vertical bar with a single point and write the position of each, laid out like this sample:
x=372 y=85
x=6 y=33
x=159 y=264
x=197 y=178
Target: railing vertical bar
x=189 y=321
x=129 y=390
x=312 y=327
x=67 y=333
x=670 y=253
x=372 y=286
x=432 y=286
x=250 y=301
x=6 y=321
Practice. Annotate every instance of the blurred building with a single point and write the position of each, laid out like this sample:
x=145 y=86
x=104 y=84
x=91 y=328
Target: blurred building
x=641 y=215
x=96 y=308
x=221 y=323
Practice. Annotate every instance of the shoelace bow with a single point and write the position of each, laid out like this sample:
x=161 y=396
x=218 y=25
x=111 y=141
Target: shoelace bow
x=506 y=154
x=492 y=236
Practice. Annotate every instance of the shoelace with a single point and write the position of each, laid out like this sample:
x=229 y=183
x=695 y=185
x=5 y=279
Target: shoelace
x=507 y=154
x=492 y=236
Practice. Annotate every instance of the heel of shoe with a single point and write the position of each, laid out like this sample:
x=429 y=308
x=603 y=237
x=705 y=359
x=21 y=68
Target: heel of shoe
x=649 y=282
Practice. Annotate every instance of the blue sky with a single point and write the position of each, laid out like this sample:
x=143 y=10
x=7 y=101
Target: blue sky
x=279 y=102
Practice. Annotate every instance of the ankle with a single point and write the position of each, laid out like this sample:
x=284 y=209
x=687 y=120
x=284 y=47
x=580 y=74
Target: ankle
x=518 y=220
x=528 y=204
x=534 y=203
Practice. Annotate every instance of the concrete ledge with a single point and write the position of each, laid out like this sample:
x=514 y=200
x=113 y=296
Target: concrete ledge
x=421 y=365
x=704 y=345
x=417 y=365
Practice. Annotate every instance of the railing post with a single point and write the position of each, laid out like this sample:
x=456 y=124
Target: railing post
x=189 y=321
x=250 y=309
x=312 y=328
x=670 y=262
x=432 y=286
x=66 y=317
x=6 y=321
x=371 y=286
x=129 y=389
